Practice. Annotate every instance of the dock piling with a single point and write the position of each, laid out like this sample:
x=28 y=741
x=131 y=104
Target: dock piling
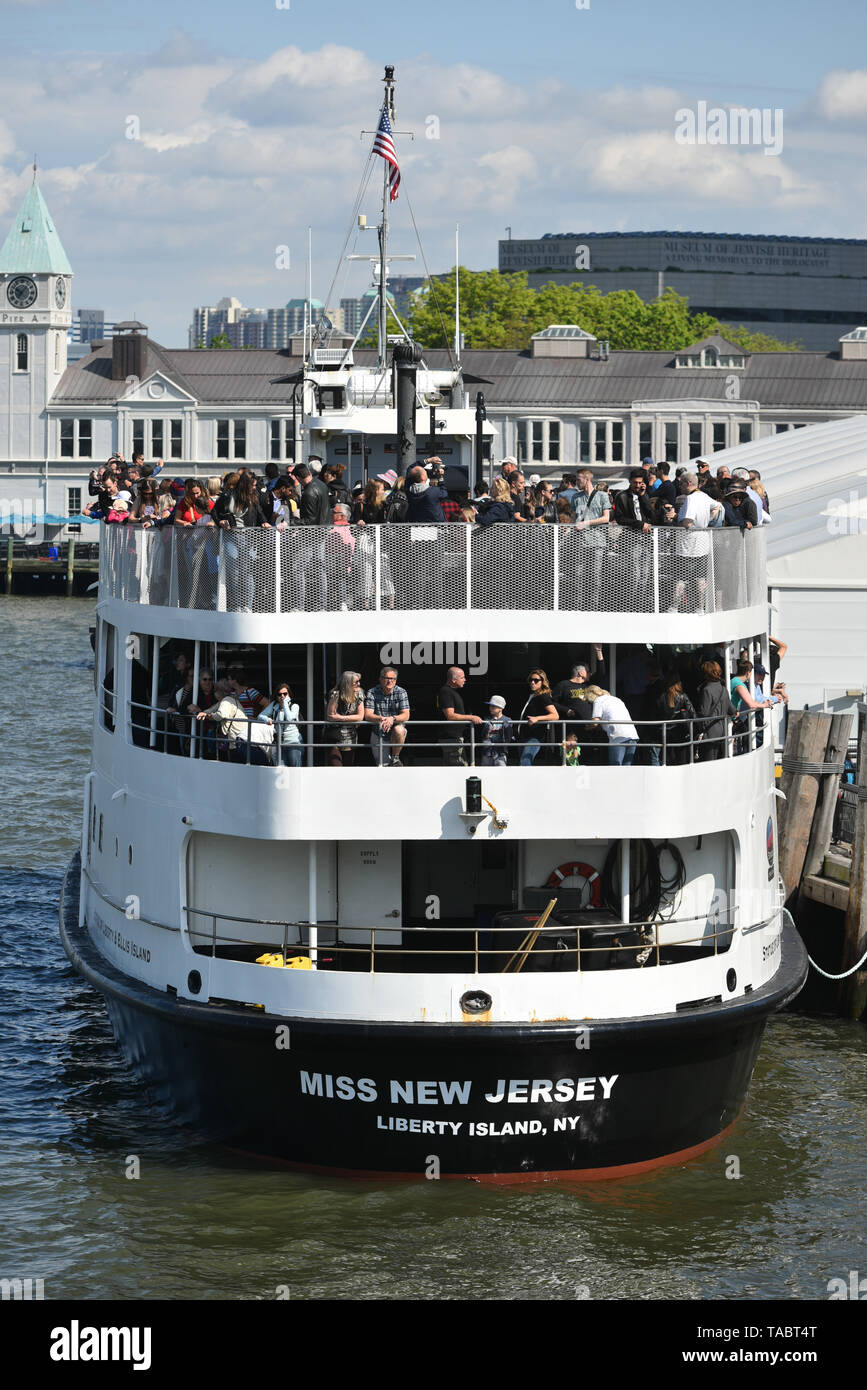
x=853 y=991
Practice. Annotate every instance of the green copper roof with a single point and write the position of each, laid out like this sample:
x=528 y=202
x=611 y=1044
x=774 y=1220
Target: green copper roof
x=33 y=244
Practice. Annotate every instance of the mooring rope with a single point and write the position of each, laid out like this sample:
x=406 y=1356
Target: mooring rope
x=845 y=973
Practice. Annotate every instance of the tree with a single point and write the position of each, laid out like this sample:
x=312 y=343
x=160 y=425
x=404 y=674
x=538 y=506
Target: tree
x=755 y=342
x=219 y=340
x=502 y=311
x=495 y=310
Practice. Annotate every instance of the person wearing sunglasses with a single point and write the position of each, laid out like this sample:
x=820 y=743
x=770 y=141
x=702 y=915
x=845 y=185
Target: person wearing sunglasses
x=284 y=715
x=344 y=711
x=539 y=709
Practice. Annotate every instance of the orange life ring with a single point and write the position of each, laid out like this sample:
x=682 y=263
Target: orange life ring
x=585 y=871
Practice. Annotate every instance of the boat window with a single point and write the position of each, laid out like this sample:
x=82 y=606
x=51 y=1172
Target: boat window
x=108 y=635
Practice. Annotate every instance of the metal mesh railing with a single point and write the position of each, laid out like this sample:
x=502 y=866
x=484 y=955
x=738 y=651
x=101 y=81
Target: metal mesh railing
x=452 y=567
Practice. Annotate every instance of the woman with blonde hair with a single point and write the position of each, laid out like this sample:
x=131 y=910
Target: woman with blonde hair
x=344 y=711
x=616 y=720
x=501 y=506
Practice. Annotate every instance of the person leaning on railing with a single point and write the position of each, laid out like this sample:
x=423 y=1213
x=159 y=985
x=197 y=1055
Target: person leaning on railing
x=233 y=726
x=740 y=692
x=616 y=720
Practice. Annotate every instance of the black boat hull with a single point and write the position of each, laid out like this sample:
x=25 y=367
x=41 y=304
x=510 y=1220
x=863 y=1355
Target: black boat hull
x=472 y=1100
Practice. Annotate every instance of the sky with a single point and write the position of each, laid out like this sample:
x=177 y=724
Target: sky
x=181 y=146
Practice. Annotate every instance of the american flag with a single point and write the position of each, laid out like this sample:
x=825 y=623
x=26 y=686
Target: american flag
x=384 y=144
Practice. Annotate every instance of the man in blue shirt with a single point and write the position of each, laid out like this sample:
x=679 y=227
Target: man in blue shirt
x=387 y=709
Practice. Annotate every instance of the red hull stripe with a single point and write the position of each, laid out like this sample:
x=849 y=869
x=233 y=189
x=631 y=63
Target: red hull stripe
x=621 y=1170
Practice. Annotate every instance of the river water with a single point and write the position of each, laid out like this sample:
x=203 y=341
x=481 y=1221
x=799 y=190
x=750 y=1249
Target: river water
x=199 y=1223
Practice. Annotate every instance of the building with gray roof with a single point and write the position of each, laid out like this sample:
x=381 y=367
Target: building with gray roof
x=564 y=400
x=809 y=290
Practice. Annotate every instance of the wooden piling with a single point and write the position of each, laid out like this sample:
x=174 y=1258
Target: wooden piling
x=806 y=741
x=853 y=991
x=10 y=550
x=70 y=565
x=823 y=820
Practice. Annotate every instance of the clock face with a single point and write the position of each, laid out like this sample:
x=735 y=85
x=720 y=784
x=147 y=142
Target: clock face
x=21 y=292
x=60 y=293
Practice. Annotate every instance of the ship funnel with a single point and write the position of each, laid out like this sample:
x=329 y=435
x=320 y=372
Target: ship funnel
x=406 y=357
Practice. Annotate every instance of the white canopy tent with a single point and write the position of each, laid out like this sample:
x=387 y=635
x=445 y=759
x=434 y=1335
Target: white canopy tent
x=816 y=481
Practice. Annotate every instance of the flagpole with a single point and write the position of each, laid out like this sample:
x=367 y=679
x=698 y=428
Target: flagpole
x=383 y=229
x=457 y=296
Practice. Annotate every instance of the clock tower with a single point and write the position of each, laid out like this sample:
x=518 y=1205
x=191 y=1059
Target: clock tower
x=35 y=280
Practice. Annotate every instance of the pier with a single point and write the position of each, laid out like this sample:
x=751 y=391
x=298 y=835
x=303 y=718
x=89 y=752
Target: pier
x=72 y=565
x=823 y=854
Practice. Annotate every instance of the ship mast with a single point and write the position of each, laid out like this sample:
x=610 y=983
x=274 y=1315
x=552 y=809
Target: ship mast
x=382 y=328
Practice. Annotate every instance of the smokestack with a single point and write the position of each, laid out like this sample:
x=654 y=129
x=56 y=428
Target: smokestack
x=406 y=357
x=128 y=350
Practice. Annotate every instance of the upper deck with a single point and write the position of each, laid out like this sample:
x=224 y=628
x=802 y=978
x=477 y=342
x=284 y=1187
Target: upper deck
x=448 y=582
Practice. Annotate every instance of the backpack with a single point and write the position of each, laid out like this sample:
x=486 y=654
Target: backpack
x=395 y=507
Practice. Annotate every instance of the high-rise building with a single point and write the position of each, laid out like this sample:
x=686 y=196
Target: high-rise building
x=259 y=328
x=89 y=326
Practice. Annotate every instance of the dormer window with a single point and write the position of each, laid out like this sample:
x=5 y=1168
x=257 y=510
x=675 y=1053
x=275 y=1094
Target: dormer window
x=712 y=352
x=21 y=353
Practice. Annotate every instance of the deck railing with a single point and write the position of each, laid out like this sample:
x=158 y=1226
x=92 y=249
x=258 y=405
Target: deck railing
x=600 y=942
x=577 y=743
x=451 y=567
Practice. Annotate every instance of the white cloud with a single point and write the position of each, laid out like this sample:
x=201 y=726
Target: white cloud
x=236 y=157
x=842 y=95
x=511 y=168
x=654 y=163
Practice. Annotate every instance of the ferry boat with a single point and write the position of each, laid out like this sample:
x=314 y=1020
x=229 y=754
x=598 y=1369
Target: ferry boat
x=436 y=962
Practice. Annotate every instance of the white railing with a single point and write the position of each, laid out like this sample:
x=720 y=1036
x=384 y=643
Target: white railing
x=454 y=566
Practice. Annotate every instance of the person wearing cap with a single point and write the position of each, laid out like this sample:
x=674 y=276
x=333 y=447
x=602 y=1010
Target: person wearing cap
x=497 y=733
x=739 y=509
x=741 y=478
x=508 y=466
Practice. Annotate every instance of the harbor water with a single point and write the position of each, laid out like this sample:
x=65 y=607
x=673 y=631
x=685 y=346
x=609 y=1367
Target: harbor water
x=104 y=1197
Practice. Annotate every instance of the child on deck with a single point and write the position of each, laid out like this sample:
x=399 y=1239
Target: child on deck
x=573 y=750
x=497 y=733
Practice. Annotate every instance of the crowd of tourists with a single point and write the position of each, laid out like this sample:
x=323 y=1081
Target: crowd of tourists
x=604 y=559
x=672 y=708
x=316 y=495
